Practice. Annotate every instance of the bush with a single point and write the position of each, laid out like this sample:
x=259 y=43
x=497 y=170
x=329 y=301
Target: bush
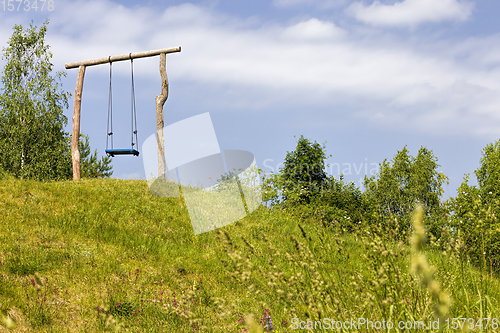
x=473 y=212
x=303 y=187
x=488 y=174
x=91 y=167
x=406 y=182
x=345 y=203
x=3 y=173
x=474 y=217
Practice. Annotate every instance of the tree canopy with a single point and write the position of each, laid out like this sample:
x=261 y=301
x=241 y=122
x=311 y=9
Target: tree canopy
x=488 y=174
x=303 y=171
x=32 y=139
x=474 y=210
x=33 y=142
x=407 y=181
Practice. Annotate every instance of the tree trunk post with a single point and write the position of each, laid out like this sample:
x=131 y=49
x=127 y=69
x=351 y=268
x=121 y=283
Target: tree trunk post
x=160 y=101
x=75 y=153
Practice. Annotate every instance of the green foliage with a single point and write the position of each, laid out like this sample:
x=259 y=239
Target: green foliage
x=474 y=217
x=462 y=205
x=32 y=140
x=474 y=211
x=271 y=188
x=345 y=203
x=302 y=186
x=90 y=167
x=409 y=180
x=3 y=173
x=121 y=309
x=488 y=174
x=303 y=174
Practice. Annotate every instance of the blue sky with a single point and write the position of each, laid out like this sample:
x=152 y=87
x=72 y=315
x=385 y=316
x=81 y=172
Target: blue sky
x=367 y=77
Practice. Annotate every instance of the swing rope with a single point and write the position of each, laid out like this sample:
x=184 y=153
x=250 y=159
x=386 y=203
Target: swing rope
x=110 y=110
x=132 y=102
x=134 y=140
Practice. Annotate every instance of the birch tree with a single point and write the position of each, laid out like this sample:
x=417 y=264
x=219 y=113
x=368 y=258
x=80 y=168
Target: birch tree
x=33 y=143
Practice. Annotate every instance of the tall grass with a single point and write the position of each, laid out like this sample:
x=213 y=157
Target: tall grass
x=106 y=255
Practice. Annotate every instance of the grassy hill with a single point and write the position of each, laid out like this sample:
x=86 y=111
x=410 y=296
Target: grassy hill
x=107 y=255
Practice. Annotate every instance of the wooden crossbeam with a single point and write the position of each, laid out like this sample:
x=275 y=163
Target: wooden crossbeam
x=122 y=57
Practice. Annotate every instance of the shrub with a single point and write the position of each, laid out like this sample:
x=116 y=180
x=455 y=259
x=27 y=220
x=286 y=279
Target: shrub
x=405 y=182
x=90 y=166
x=303 y=187
x=473 y=211
x=488 y=174
x=344 y=203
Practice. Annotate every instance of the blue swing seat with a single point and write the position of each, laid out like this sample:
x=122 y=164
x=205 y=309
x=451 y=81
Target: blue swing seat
x=113 y=152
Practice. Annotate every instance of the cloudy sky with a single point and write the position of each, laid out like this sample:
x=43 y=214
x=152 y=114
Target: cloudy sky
x=368 y=77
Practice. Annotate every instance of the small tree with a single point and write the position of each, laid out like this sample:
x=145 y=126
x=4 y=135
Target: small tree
x=90 y=166
x=32 y=140
x=474 y=210
x=303 y=173
x=488 y=174
x=409 y=180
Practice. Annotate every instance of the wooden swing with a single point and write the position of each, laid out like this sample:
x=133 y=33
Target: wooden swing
x=109 y=139
x=160 y=100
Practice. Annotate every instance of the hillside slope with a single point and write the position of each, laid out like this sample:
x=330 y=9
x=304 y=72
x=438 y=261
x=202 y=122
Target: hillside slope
x=102 y=255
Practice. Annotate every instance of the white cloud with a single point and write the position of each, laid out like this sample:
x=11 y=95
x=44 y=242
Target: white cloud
x=410 y=12
x=477 y=51
x=313 y=30
x=317 y=3
x=291 y=3
x=298 y=65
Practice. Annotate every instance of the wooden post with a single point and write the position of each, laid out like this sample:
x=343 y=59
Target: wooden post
x=75 y=152
x=160 y=101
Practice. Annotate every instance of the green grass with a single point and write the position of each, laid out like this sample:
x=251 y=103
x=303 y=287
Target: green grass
x=107 y=255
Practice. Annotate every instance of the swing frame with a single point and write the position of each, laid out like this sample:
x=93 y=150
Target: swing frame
x=160 y=100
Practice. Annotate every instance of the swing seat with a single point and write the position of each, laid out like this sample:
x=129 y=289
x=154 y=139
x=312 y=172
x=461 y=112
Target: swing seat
x=113 y=152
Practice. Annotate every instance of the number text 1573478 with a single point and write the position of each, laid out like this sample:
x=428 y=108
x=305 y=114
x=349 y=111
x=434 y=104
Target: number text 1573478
x=27 y=5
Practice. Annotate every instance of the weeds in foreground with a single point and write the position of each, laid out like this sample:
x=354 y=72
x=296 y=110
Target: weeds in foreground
x=425 y=272
x=384 y=282
x=42 y=300
x=134 y=296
